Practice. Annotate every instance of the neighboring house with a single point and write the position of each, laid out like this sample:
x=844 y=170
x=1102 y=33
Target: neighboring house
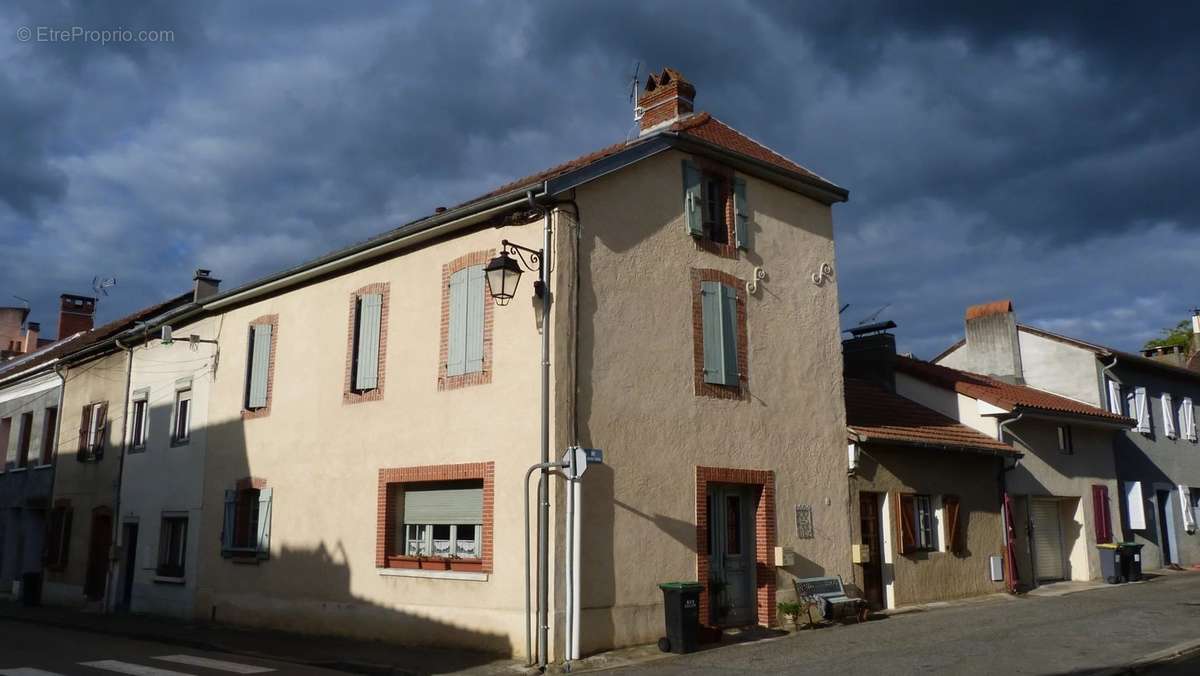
x=374 y=412
x=1063 y=490
x=162 y=481
x=29 y=405
x=80 y=532
x=1157 y=461
x=925 y=492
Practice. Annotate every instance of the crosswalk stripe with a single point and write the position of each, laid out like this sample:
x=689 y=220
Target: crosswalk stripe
x=27 y=671
x=128 y=668
x=219 y=665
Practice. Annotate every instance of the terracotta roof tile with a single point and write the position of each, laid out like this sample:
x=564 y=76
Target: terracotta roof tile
x=1007 y=396
x=874 y=414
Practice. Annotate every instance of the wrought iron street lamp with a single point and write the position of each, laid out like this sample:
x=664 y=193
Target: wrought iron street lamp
x=503 y=272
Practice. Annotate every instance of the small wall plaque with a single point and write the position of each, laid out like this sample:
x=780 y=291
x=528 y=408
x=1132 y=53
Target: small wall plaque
x=804 y=522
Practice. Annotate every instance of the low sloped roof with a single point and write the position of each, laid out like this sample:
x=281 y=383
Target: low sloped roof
x=874 y=414
x=1008 y=396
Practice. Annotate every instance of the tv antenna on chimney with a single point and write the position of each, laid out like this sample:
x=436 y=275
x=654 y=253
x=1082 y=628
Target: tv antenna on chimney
x=633 y=96
x=875 y=314
x=24 y=301
x=101 y=285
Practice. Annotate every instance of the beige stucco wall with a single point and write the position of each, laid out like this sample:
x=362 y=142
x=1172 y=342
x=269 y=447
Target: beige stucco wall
x=922 y=577
x=87 y=485
x=322 y=458
x=637 y=398
x=163 y=477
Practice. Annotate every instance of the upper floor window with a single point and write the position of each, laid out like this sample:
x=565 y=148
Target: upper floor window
x=466 y=323
x=181 y=422
x=24 y=438
x=1168 y=411
x=1066 y=445
x=93 y=428
x=260 y=366
x=1187 y=419
x=140 y=419
x=719 y=334
x=715 y=209
x=49 y=429
x=1138 y=403
x=367 y=343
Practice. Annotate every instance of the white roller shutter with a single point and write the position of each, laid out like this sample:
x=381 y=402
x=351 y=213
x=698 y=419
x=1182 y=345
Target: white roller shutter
x=452 y=504
x=1047 y=540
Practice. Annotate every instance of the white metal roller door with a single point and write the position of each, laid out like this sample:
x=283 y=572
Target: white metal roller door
x=1047 y=540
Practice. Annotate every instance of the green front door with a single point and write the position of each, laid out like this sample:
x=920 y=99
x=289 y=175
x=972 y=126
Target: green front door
x=731 y=562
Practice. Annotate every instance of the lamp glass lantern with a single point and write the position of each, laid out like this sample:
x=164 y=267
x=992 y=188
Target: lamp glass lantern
x=503 y=273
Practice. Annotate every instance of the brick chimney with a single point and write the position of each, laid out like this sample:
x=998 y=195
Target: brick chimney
x=204 y=285
x=870 y=354
x=666 y=98
x=33 y=331
x=75 y=314
x=993 y=341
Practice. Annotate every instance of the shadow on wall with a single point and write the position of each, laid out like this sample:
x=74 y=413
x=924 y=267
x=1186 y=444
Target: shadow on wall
x=301 y=590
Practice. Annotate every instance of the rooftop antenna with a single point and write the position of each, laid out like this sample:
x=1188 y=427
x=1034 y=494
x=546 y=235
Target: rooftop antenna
x=101 y=285
x=875 y=314
x=633 y=92
x=843 y=308
x=24 y=301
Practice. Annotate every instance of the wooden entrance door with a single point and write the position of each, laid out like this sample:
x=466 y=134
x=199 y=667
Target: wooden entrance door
x=732 y=554
x=868 y=514
x=99 y=544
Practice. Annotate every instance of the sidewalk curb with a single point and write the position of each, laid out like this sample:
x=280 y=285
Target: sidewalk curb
x=1153 y=659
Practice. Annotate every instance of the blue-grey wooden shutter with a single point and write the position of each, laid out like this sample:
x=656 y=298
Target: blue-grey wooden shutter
x=741 y=214
x=366 y=372
x=474 y=335
x=443 y=505
x=264 y=524
x=230 y=523
x=714 y=358
x=693 y=206
x=456 y=345
x=260 y=361
x=729 y=334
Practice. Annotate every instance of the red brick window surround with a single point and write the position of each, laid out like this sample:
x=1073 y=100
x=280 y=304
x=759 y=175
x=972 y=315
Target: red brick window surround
x=484 y=375
x=718 y=213
x=704 y=389
x=764 y=536
x=389 y=531
x=263 y=411
x=350 y=395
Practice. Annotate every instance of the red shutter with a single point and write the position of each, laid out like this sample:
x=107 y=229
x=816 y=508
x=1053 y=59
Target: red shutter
x=1101 y=514
x=954 y=539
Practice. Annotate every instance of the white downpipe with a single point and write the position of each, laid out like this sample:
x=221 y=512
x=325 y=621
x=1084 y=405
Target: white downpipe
x=576 y=487
x=570 y=573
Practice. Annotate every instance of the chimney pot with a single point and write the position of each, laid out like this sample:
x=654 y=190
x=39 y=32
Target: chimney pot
x=667 y=98
x=204 y=285
x=993 y=342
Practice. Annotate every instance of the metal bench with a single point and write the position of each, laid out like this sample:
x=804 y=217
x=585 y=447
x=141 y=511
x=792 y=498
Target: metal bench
x=829 y=596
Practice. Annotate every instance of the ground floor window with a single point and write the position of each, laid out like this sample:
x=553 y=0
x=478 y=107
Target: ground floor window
x=172 y=546
x=437 y=517
x=246 y=531
x=58 y=536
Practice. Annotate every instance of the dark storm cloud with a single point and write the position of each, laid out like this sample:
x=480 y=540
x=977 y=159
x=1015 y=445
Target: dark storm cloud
x=990 y=150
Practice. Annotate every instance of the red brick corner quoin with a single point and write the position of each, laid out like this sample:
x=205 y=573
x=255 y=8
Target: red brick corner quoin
x=764 y=535
x=385 y=529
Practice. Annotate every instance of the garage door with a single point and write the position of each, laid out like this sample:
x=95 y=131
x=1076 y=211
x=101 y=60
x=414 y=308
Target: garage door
x=1047 y=540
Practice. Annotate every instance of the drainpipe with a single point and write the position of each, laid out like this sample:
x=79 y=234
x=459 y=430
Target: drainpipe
x=1009 y=545
x=108 y=584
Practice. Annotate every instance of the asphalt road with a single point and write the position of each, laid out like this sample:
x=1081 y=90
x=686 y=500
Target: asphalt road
x=38 y=650
x=1075 y=634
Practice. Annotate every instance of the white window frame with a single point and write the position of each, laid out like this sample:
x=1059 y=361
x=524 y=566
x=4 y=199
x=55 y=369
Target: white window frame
x=1168 y=409
x=184 y=421
x=1066 y=441
x=139 y=428
x=924 y=529
x=418 y=541
x=94 y=426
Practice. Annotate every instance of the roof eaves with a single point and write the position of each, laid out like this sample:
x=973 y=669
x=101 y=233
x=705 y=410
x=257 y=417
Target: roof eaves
x=807 y=184
x=867 y=438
